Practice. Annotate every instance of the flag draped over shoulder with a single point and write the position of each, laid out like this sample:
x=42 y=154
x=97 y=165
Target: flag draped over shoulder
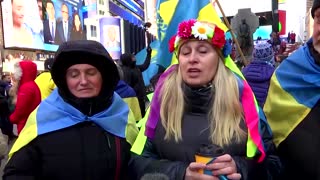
x=54 y=114
x=294 y=90
x=171 y=12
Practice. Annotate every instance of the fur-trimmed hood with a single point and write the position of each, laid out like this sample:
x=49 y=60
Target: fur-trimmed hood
x=25 y=71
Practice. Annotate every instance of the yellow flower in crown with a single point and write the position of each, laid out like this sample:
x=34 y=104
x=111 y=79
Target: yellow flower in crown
x=202 y=31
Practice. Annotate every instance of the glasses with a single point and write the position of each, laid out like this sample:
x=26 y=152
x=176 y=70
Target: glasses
x=66 y=12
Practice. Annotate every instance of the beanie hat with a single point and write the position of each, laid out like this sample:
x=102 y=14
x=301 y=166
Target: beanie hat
x=263 y=52
x=315 y=6
x=85 y=52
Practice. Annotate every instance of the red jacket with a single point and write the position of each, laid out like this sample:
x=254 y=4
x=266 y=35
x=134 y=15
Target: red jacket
x=28 y=95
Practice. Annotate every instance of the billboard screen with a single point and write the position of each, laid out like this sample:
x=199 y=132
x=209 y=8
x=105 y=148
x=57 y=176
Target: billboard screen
x=110 y=35
x=43 y=25
x=263 y=32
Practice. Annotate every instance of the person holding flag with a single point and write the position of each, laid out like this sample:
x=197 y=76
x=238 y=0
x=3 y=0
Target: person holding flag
x=204 y=100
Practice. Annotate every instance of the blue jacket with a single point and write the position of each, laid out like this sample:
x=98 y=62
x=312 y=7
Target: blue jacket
x=258 y=75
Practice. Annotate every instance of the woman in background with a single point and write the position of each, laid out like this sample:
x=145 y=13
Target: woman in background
x=77 y=32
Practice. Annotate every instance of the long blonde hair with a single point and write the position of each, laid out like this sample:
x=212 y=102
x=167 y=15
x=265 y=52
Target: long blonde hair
x=224 y=117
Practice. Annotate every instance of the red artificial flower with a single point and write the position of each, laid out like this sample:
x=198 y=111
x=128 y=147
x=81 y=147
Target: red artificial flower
x=218 y=38
x=184 y=28
x=171 y=43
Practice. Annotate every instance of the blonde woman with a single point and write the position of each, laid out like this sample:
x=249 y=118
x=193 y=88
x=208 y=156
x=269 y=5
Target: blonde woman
x=204 y=102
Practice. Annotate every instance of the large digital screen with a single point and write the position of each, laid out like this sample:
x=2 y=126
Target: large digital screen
x=43 y=25
x=110 y=35
x=263 y=32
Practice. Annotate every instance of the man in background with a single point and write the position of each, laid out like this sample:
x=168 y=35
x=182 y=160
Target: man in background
x=50 y=24
x=64 y=26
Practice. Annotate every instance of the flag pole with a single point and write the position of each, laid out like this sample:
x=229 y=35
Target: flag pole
x=231 y=31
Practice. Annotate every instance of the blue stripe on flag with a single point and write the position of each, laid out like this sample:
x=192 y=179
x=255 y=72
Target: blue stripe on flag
x=185 y=9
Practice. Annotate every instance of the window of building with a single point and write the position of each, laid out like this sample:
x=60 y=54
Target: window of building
x=101 y=12
x=93 y=31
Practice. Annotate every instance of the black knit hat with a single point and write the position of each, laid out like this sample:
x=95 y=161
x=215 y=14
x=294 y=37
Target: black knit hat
x=85 y=52
x=315 y=6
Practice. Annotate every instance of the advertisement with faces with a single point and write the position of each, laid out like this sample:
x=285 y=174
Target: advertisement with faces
x=36 y=24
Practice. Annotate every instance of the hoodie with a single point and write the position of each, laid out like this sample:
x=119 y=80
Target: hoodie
x=258 y=75
x=28 y=93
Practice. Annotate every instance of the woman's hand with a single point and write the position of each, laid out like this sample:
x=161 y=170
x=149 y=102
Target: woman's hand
x=192 y=172
x=224 y=165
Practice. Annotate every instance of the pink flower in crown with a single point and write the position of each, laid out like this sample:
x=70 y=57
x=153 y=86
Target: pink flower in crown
x=171 y=43
x=218 y=38
x=184 y=28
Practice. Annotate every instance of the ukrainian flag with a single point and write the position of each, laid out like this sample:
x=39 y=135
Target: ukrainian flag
x=54 y=114
x=153 y=68
x=172 y=12
x=129 y=96
x=294 y=90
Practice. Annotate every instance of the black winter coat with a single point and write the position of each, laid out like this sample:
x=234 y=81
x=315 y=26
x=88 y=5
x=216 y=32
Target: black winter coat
x=133 y=76
x=82 y=152
x=172 y=159
x=299 y=152
x=133 y=73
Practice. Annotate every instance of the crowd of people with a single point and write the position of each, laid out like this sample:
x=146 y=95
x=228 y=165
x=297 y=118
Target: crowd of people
x=208 y=119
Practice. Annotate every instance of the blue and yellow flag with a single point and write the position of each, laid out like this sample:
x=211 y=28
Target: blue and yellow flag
x=54 y=114
x=129 y=96
x=294 y=90
x=153 y=67
x=172 y=12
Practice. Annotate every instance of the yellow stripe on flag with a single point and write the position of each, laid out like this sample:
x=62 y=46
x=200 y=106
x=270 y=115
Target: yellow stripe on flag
x=209 y=14
x=141 y=139
x=167 y=9
x=282 y=121
x=28 y=133
x=134 y=106
x=131 y=129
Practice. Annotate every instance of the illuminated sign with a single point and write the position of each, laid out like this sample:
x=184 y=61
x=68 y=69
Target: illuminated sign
x=26 y=25
x=113 y=8
x=132 y=7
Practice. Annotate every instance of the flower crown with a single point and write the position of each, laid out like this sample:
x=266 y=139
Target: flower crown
x=194 y=29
